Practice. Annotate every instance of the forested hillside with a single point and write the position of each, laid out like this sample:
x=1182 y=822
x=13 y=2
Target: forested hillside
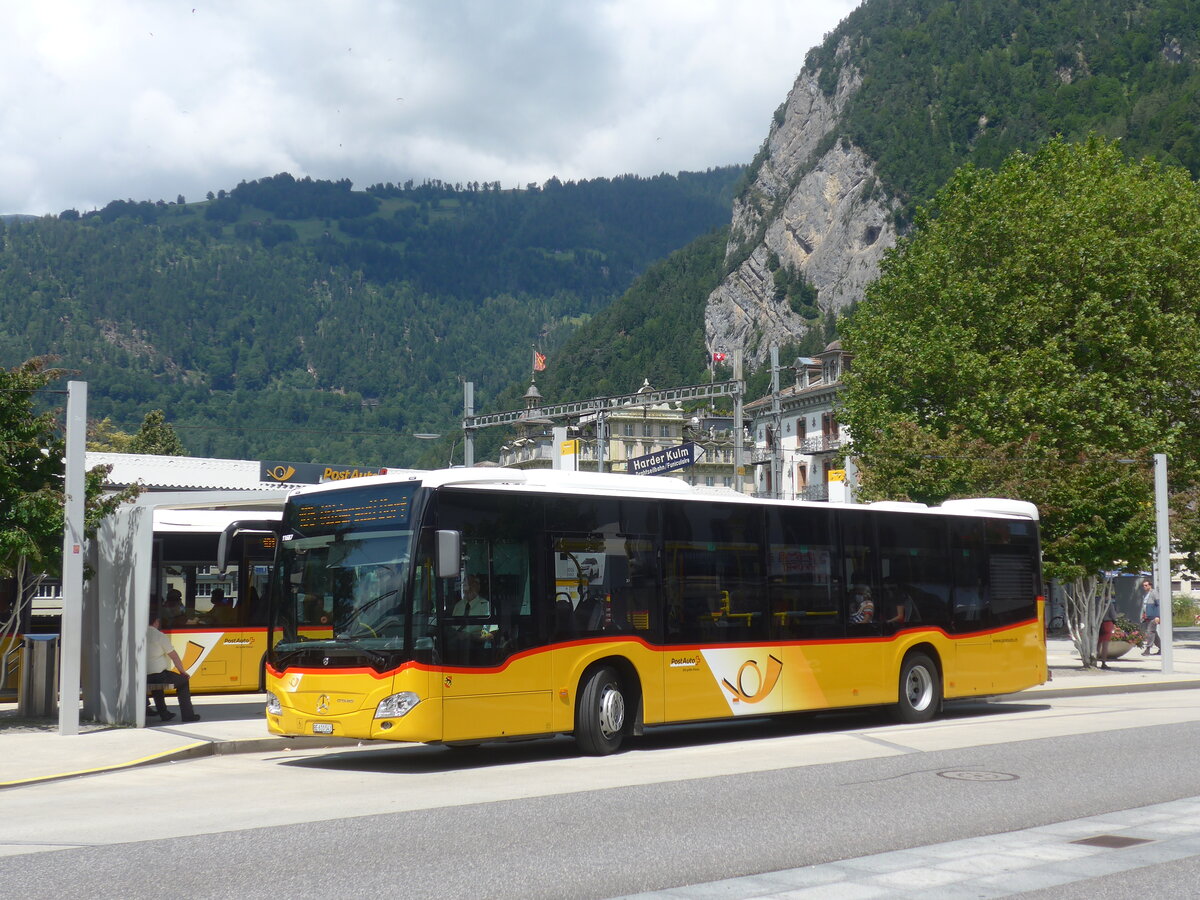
x=904 y=92
x=302 y=320
x=944 y=81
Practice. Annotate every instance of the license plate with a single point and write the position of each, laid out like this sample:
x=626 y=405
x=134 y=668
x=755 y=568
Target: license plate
x=322 y=728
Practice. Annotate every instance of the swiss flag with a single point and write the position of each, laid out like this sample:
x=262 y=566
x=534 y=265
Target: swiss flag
x=718 y=356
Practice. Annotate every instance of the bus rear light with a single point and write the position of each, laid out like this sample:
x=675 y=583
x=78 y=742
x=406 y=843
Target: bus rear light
x=396 y=706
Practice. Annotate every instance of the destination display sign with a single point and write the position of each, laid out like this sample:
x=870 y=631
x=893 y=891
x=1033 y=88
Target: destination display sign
x=666 y=460
x=354 y=509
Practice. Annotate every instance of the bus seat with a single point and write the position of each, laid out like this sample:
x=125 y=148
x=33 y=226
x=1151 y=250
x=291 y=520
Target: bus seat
x=590 y=614
x=564 y=615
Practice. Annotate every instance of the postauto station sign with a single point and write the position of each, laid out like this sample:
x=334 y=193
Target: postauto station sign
x=311 y=473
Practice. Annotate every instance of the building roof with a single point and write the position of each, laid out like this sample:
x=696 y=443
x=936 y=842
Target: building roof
x=182 y=472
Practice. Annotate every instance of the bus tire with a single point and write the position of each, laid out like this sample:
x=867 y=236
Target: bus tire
x=920 y=690
x=600 y=718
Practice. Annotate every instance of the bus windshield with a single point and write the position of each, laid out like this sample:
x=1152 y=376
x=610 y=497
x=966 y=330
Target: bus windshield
x=342 y=578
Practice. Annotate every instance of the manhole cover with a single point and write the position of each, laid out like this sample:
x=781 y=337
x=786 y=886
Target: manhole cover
x=1112 y=841
x=966 y=775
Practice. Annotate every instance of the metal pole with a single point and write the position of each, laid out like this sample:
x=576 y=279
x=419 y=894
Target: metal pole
x=71 y=643
x=1162 y=574
x=468 y=434
x=777 y=425
x=600 y=441
x=738 y=449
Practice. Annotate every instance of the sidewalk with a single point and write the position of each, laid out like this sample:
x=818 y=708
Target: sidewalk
x=34 y=751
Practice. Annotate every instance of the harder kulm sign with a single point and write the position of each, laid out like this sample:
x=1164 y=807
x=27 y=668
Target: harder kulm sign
x=666 y=460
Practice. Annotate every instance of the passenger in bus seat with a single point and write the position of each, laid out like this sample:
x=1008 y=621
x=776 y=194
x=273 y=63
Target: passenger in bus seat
x=174 y=613
x=904 y=610
x=862 y=606
x=221 y=613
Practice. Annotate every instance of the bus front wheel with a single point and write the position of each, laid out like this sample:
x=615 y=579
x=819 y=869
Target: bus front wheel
x=920 y=689
x=600 y=719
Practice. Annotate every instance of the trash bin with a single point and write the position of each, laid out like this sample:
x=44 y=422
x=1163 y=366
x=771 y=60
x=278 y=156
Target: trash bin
x=37 y=696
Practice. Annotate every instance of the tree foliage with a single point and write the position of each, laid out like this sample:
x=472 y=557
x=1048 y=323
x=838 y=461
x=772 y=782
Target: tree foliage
x=156 y=437
x=301 y=320
x=32 y=475
x=947 y=81
x=1038 y=327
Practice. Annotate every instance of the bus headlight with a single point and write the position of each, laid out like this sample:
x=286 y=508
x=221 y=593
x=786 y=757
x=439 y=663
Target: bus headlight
x=274 y=707
x=397 y=705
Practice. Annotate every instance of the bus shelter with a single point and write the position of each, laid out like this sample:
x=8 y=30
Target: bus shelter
x=127 y=559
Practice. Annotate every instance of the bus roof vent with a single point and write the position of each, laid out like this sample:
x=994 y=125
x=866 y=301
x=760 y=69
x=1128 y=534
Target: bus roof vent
x=489 y=475
x=899 y=505
x=997 y=506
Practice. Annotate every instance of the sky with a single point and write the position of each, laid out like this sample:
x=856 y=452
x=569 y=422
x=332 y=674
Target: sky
x=153 y=99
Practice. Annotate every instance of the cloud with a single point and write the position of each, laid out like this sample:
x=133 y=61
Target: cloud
x=144 y=100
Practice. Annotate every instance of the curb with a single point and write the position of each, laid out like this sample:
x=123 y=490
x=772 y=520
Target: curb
x=198 y=750
x=1092 y=690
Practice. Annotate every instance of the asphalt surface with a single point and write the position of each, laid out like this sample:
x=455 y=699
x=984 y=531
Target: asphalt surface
x=908 y=822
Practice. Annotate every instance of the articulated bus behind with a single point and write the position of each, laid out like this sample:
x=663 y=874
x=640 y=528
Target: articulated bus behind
x=197 y=553
x=611 y=603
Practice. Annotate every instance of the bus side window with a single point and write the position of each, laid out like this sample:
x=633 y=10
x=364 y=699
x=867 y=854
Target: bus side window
x=969 y=604
x=802 y=591
x=860 y=573
x=715 y=577
x=604 y=583
x=914 y=563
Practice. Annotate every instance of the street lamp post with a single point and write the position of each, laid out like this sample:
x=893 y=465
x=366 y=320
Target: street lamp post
x=1162 y=569
x=430 y=436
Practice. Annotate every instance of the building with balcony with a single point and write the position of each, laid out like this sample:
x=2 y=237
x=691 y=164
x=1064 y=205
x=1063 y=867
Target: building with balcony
x=628 y=432
x=797 y=438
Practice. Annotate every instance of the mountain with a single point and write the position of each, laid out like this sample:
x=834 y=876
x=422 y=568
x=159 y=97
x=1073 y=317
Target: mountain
x=300 y=320
x=303 y=320
x=903 y=92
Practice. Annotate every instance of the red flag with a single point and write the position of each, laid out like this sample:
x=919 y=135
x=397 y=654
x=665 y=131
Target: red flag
x=539 y=361
x=718 y=356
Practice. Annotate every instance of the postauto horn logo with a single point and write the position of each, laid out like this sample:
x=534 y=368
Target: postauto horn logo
x=748 y=686
x=281 y=473
x=761 y=686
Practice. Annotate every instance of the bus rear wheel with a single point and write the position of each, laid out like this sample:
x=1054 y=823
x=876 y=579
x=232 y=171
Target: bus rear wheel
x=920 y=690
x=600 y=718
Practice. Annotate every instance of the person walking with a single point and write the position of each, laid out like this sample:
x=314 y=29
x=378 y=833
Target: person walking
x=1151 y=617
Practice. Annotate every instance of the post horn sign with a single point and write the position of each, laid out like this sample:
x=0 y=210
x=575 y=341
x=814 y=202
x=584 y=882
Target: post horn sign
x=666 y=460
x=311 y=473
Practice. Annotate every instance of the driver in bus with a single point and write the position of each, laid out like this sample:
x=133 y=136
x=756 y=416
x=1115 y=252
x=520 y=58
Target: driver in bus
x=473 y=604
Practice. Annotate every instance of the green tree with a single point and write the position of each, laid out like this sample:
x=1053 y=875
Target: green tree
x=157 y=437
x=32 y=484
x=105 y=437
x=1037 y=327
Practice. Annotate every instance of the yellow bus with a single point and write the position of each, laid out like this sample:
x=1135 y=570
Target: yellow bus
x=199 y=556
x=462 y=606
x=196 y=553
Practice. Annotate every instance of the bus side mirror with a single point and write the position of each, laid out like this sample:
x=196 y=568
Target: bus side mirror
x=449 y=554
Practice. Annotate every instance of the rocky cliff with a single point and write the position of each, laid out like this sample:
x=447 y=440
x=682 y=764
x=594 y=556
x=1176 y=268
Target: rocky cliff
x=814 y=206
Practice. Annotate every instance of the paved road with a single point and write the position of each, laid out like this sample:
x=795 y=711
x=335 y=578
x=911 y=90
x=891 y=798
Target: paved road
x=686 y=806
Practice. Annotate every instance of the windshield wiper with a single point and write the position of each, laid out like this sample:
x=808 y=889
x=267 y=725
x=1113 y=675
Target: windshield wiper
x=358 y=611
x=381 y=658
